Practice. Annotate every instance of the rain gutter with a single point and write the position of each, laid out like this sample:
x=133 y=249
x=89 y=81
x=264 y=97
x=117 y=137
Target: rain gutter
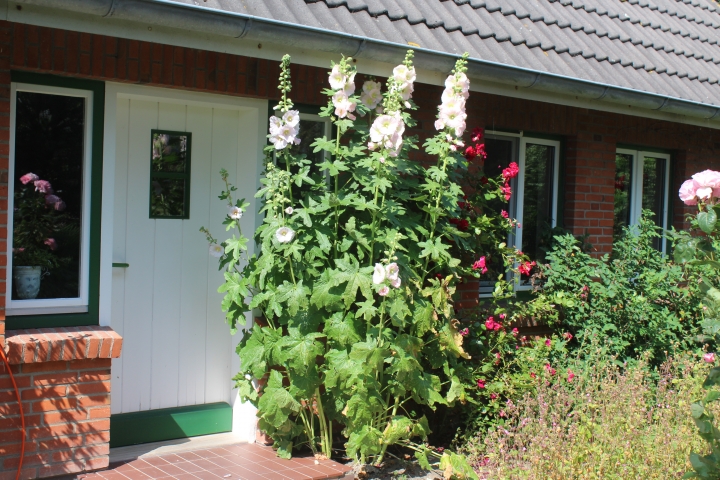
x=197 y=18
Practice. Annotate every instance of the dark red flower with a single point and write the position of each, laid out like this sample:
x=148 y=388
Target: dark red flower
x=470 y=153
x=484 y=180
x=480 y=151
x=477 y=134
x=526 y=268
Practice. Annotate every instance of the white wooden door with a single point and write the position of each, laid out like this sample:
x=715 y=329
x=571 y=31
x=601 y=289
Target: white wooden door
x=177 y=347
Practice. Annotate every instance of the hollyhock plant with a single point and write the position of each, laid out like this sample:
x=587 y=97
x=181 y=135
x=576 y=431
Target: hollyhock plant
x=356 y=286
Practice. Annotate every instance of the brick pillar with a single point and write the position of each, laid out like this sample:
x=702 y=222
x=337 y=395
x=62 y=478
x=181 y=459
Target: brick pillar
x=63 y=376
x=590 y=188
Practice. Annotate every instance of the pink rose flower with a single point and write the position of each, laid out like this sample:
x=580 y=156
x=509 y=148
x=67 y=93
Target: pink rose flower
x=43 y=186
x=571 y=375
x=493 y=396
x=60 y=206
x=687 y=192
x=709 y=357
x=490 y=323
x=50 y=242
x=705 y=182
x=481 y=383
x=548 y=342
x=515 y=332
x=29 y=177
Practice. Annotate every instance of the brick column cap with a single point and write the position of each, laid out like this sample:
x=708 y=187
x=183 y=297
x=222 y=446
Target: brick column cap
x=36 y=345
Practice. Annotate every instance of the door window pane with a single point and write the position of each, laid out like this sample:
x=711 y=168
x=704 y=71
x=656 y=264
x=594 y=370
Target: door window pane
x=537 y=221
x=623 y=182
x=653 y=194
x=170 y=174
x=48 y=199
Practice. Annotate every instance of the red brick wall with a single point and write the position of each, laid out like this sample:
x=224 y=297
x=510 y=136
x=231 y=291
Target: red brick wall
x=63 y=377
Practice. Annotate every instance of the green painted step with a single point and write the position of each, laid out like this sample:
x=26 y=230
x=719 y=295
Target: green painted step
x=169 y=423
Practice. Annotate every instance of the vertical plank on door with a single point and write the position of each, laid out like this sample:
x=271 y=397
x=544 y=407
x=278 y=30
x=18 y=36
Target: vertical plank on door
x=118 y=274
x=195 y=259
x=140 y=241
x=166 y=284
x=224 y=155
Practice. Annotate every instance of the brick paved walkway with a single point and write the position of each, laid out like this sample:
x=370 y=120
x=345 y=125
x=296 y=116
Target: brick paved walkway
x=234 y=462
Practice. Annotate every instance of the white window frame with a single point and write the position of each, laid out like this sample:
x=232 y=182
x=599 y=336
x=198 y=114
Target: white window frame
x=52 y=305
x=636 y=186
x=520 y=142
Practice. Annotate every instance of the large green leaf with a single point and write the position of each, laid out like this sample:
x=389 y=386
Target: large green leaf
x=276 y=404
x=357 y=278
x=342 y=330
x=365 y=441
x=295 y=295
x=707 y=220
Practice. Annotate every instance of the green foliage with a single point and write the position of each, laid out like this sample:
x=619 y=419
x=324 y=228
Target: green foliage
x=636 y=298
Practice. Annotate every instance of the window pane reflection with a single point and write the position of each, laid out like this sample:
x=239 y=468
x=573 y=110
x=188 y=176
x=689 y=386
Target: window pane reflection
x=47 y=217
x=653 y=187
x=500 y=152
x=623 y=181
x=537 y=200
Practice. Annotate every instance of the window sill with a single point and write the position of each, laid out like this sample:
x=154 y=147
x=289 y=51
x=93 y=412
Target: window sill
x=62 y=344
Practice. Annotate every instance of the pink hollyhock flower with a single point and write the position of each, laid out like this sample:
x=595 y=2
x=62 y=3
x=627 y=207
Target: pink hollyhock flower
x=688 y=192
x=504 y=214
x=548 y=342
x=384 y=290
x=29 y=177
x=709 y=357
x=526 y=268
x=568 y=336
x=515 y=332
x=480 y=265
x=43 y=186
x=50 y=242
x=705 y=182
x=493 y=396
x=570 y=376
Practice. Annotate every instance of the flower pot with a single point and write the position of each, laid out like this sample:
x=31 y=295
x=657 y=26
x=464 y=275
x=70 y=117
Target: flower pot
x=27 y=281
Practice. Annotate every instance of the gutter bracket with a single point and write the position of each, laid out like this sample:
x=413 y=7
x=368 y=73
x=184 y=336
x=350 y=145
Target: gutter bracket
x=360 y=48
x=717 y=112
x=111 y=10
x=607 y=89
x=534 y=81
x=246 y=28
x=659 y=109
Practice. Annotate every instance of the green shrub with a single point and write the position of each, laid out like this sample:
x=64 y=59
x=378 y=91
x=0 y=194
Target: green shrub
x=637 y=299
x=593 y=419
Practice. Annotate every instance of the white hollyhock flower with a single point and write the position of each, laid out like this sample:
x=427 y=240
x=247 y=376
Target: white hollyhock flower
x=289 y=210
x=378 y=274
x=275 y=125
x=406 y=91
x=337 y=79
x=392 y=271
x=384 y=290
x=291 y=117
x=395 y=283
x=370 y=86
x=285 y=234
x=216 y=250
x=235 y=213
x=402 y=74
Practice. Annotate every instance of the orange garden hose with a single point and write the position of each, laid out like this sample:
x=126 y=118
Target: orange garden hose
x=22 y=415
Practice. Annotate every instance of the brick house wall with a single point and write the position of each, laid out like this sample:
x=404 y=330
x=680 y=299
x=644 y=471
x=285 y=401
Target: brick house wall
x=67 y=396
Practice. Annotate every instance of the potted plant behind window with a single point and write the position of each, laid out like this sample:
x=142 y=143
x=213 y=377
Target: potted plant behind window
x=35 y=220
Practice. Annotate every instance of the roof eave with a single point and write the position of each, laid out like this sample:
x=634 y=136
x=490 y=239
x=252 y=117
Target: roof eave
x=197 y=18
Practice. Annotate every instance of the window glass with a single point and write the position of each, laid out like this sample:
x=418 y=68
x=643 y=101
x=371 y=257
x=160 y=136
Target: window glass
x=500 y=152
x=623 y=182
x=653 y=192
x=170 y=174
x=641 y=183
x=311 y=127
x=537 y=221
x=48 y=195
